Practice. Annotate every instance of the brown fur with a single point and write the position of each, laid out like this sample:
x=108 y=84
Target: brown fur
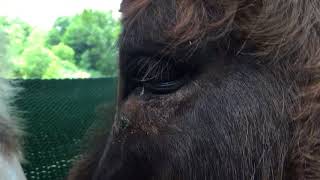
x=282 y=32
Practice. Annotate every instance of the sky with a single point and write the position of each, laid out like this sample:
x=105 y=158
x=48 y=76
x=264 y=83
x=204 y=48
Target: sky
x=43 y=13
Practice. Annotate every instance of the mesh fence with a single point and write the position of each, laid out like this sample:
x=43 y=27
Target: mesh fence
x=57 y=114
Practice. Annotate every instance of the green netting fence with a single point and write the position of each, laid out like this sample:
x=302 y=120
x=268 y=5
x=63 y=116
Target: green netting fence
x=57 y=114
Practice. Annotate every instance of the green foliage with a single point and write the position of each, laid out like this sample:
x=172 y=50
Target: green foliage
x=35 y=59
x=40 y=62
x=64 y=52
x=3 y=22
x=36 y=38
x=64 y=69
x=34 y=62
x=57 y=31
x=76 y=47
x=5 y=64
x=17 y=33
x=93 y=36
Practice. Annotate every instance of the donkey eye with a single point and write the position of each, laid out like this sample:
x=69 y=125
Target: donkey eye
x=161 y=86
x=165 y=87
x=158 y=76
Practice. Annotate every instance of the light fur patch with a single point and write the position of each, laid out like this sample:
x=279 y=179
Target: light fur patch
x=10 y=152
x=10 y=168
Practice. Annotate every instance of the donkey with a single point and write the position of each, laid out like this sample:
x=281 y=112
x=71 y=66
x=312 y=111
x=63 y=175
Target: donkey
x=214 y=90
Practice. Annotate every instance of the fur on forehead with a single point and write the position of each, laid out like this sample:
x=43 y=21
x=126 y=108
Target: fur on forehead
x=278 y=28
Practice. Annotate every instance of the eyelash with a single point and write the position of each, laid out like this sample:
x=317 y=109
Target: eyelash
x=158 y=77
x=163 y=87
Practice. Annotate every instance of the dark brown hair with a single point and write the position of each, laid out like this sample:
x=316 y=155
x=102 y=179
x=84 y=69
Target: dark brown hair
x=281 y=30
x=278 y=39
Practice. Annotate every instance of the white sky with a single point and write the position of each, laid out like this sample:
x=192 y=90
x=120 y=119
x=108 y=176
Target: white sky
x=42 y=13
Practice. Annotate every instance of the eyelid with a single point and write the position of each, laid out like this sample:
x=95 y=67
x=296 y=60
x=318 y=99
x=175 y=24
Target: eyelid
x=166 y=87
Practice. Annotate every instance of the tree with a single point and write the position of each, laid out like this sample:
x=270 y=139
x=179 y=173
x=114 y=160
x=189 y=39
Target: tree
x=64 y=52
x=93 y=36
x=57 y=31
x=17 y=33
x=4 y=68
x=84 y=41
x=13 y=38
x=64 y=69
x=40 y=62
x=34 y=62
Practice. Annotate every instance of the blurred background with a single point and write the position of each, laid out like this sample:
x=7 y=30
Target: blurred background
x=42 y=39
x=65 y=52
